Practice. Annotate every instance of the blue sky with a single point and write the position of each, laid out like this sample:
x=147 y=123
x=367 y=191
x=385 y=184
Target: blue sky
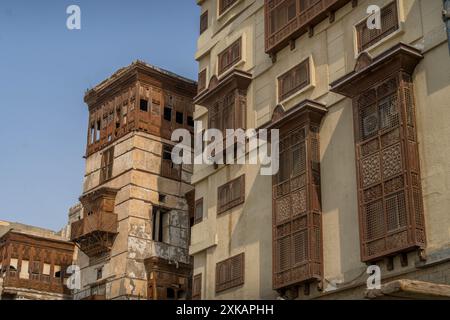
x=45 y=70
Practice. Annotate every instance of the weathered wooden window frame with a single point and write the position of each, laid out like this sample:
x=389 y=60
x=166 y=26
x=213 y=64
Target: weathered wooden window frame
x=233 y=273
x=224 y=205
x=107 y=164
x=202 y=80
x=197 y=287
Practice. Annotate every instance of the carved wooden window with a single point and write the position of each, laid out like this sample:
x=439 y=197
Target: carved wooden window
x=198 y=211
x=231 y=195
x=197 y=287
x=391 y=209
x=203 y=22
x=389 y=23
x=106 y=169
x=224 y=5
x=293 y=80
x=202 y=80
x=297 y=220
x=230 y=273
x=230 y=56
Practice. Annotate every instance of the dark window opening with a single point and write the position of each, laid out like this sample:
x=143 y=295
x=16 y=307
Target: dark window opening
x=167 y=113
x=179 y=117
x=190 y=121
x=99 y=273
x=143 y=105
x=160 y=221
x=167 y=153
x=204 y=22
x=170 y=294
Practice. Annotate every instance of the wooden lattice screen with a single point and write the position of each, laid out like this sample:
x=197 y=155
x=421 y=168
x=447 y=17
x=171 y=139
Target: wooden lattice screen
x=390 y=196
x=297 y=220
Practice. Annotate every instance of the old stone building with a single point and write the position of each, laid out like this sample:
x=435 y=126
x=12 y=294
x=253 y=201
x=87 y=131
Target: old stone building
x=33 y=263
x=132 y=229
x=364 y=171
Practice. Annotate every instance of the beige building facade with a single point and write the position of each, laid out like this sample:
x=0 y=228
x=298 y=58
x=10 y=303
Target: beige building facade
x=132 y=228
x=364 y=176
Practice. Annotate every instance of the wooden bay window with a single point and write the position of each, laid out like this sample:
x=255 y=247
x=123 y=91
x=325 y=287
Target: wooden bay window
x=389 y=184
x=297 y=217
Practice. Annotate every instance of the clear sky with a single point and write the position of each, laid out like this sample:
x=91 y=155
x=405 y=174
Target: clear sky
x=45 y=70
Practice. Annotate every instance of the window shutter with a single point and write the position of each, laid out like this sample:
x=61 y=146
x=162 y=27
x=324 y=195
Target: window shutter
x=389 y=24
x=230 y=273
x=225 y=4
x=107 y=161
x=294 y=80
x=198 y=211
x=231 y=195
x=202 y=80
x=204 y=22
x=230 y=56
x=197 y=287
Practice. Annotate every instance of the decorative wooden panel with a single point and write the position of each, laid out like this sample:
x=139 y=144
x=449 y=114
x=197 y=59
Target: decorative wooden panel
x=389 y=24
x=231 y=195
x=286 y=20
x=230 y=56
x=391 y=209
x=230 y=273
x=293 y=80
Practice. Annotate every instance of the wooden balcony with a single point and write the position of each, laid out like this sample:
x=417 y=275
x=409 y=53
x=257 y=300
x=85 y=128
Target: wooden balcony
x=305 y=19
x=95 y=233
x=38 y=282
x=95 y=223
